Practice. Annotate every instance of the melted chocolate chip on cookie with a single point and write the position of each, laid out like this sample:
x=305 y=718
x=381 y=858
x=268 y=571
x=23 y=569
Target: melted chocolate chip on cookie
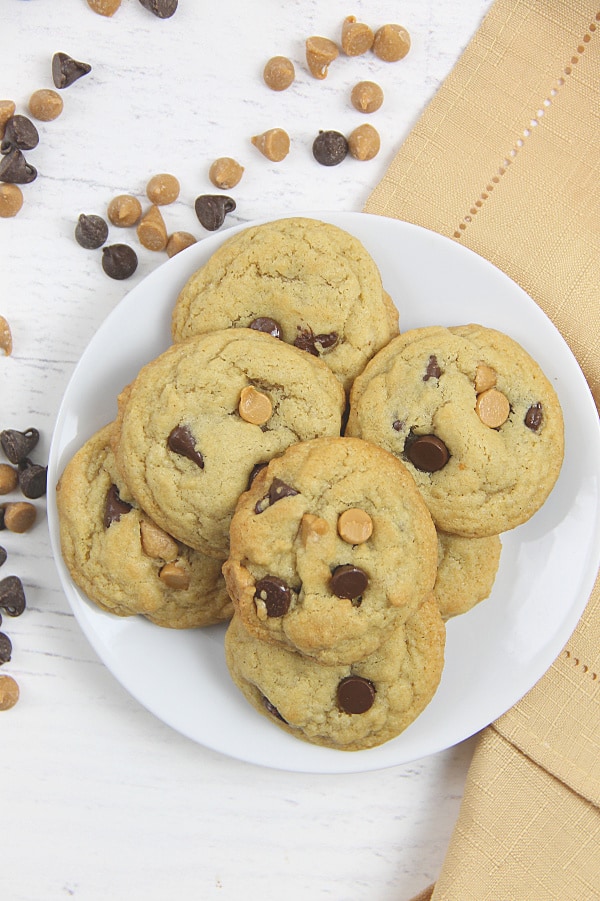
x=182 y=442
x=427 y=452
x=275 y=595
x=277 y=491
x=114 y=508
x=355 y=694
x=314 y=344
x=348 y=581
x=273 y=709
x=533 y=417
x=433 y=370
x=267 y=325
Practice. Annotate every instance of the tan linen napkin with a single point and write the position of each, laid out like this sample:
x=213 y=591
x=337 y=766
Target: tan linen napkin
x=506 y=160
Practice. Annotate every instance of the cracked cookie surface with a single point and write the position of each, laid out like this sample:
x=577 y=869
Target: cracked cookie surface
x=312 y=281
x=121 y=560
x=191 y=426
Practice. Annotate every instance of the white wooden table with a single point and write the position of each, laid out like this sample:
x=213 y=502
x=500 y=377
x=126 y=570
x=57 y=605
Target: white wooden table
x=99 y=799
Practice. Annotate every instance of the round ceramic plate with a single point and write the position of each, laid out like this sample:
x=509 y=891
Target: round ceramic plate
x=495 y=653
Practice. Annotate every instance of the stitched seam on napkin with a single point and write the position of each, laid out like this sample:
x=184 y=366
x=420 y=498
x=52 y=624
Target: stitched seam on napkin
x=577 y=661
x=534 y=121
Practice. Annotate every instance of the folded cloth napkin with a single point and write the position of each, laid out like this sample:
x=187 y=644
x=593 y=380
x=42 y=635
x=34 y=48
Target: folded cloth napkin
x=506 y=160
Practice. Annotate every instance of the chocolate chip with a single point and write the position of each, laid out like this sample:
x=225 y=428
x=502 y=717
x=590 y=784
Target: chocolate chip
x=258 y=467
x=119 y=260
x=91 y=232
x=398 y=425
x=266 y=324
x=18 y=445
x=272 y=709
x=66 y=70
x=280 y=489
x=314 y=344
x=19 y=132
x=275 y=595
x=427 y=452
x=330 y=148
x=15 y=169
x=32 y=479
x=3 y=555
x=163 y=9
x=5 y=648
x=2 y=515
x=211 y=210
x=114 y=507
x=533 y=417
x=12 y=596
x=182 y=442
x=433 y=370
x=348 y=581
x=355 y=694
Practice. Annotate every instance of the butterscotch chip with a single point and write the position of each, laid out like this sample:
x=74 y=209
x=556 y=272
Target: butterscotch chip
x=391 y=43
x=485 y=377
x=312 y=528
x=104 y=7
x=45 y=105
x=364 y=142
x=175 y=576
x=7 y=111
x=19 y=517
x=279 y=73
x=225 y=173
x=355 y=525
x=254 y=406
x=152 y=231
x=492 y=408
x=9 y=478
x=366 y=97
x=274 y=144
x=158 y=543
x=162 y=189
x=178 y=241
x=9 y=692
x=357 y=37
x=124 y=210
x=5 y=337
x=320 y=52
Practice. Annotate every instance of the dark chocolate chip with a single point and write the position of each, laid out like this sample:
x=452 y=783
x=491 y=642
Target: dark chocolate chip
x=15 y=169
x=433 y=370
x=182 y=442
x=427 y=452
x=66 y=70
x=211 y=210
x=12 y=596
x=275 y=595
x=5 y=648
x=114 y=507
x=355 y=694
x=258 y=467
x=19 y=132
x=314 y=344
x=398 y=425
x=266 y=324
x=18 y=445
x=2 y=511
x=162 y=9
x=533 y=417
x=330 y=148
x=91 y=232
x=348 y=581
x=272 y=709
x=32 y=479
x=3 y=555
x=280 y=489
x=119 y=260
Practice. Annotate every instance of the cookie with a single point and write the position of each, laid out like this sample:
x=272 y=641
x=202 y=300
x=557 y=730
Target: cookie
x=474 y=419
x=351 y=706
x=467 y=569
x=121 y=559
x=196 y=421
x=330 y=549
x=307 y=282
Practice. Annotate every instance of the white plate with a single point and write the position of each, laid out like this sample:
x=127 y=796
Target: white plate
x=495 y=653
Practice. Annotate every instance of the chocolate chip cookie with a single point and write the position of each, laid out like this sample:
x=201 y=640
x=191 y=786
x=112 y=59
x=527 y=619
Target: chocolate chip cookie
x=351 y=706
x=309 y=283
x=474 y=419
x=121 y=559
x=331 y=548
x=197 y=420
x=467 y=569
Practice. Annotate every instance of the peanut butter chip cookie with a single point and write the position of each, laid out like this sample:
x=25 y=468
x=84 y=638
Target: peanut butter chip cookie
x=474 y=419
x=331 y=547
x=121 y=559
x=189 y=432
x=350 y=706
x=315 y=283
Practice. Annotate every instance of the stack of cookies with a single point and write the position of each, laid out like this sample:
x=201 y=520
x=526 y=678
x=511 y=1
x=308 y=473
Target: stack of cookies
x=294 y=464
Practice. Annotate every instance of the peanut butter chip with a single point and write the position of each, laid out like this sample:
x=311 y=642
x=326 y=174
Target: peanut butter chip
x=162 y=189
x=485 y=377
x=5 y=337
x=357 y=37
x=254 y=406
x=45 y=105
x=9 y=478
x=178 y=241
x=364 y=142
x=152 y=231
x=492 y=408
x=355 y=526
x=19 y=517
x=157 y=543
x=366 y=97
x=320 y=52
x=124 y=210
x=175 y=576
x=274 y=144
x=104 y=7
x=225 y=173
x=279 y=73
x=11 y=200
x=7 y=111
x=9 y=692
x=392 y=42
x=312 y=528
